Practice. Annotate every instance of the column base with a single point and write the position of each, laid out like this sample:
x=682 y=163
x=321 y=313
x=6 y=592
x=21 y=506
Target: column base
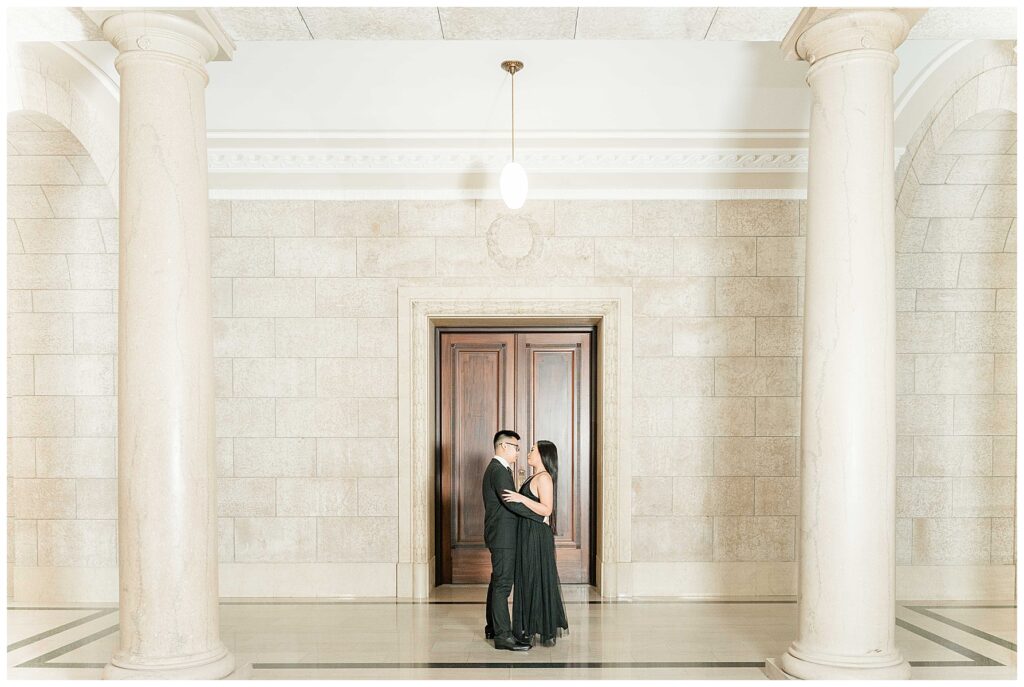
x=774 y=672
x=789 y=667
x=209 y=666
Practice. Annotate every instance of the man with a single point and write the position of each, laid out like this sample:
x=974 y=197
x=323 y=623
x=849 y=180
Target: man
x=501 y=523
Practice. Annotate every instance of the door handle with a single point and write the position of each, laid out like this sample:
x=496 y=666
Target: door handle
x=522 y=472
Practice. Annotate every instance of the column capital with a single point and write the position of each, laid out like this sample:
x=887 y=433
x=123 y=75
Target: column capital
x=819 y=31
x=192 y=34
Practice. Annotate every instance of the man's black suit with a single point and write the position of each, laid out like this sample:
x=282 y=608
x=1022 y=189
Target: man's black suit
x=501 y=524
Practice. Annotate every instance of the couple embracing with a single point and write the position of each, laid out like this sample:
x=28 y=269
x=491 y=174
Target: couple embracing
x=522 y=547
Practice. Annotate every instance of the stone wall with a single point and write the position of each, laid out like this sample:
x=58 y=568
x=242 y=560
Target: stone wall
x=305 y=308
x=61 y=365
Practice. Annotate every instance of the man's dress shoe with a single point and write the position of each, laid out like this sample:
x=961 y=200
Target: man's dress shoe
x=488 y=633
x=509 y=643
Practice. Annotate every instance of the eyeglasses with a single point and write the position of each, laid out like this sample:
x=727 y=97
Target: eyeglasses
x=515 y=446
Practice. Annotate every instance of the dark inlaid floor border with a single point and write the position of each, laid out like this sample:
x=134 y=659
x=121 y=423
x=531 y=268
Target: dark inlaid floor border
x=441 y=665
x=44 y=660
x=60 y=628
x=975 y=659
x=929 y=611
x=602 y=602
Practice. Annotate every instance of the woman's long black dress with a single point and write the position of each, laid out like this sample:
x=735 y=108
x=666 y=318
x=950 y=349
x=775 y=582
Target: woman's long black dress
x=537 y=603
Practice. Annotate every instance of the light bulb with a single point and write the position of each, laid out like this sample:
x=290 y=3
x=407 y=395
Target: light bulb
x=514 y=185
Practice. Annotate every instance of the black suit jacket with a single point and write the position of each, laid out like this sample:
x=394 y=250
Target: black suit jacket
x=501 y=519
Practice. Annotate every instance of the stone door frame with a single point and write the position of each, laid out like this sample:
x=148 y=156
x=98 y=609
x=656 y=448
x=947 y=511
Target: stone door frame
x=420 y=311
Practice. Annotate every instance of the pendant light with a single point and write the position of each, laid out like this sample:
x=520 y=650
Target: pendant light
x=513 y=182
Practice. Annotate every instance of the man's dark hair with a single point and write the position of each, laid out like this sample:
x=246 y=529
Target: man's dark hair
x=502 y=435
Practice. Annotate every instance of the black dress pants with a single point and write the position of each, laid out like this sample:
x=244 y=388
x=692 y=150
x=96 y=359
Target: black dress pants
x=503 y=567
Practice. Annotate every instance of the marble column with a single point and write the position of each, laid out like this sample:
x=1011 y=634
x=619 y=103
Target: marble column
x=847 y=560
x=167 y=507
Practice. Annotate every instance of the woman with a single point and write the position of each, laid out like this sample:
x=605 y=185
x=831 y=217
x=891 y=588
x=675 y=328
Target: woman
x=537 y=603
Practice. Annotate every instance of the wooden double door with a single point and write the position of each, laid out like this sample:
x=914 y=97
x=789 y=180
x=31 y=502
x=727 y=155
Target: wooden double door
x=538 y=383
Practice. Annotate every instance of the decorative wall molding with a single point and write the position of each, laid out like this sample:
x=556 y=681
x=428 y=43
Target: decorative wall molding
x=419 y=165
x=384 y=159
x=420 y=309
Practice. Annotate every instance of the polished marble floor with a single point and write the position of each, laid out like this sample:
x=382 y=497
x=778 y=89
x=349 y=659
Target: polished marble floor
x=443 y=638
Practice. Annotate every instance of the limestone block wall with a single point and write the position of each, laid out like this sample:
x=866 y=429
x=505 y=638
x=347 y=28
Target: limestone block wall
x=305 y=308
x=956 y=346
x=61 y=365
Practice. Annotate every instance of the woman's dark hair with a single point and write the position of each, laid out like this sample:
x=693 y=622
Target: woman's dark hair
x=549 y=457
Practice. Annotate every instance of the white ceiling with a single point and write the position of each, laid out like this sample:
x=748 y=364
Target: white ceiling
x=380 y=101
x=510 y=23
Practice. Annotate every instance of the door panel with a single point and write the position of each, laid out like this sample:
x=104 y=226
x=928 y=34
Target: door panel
x=537 y=383
x=477 y=395
x=553 y=403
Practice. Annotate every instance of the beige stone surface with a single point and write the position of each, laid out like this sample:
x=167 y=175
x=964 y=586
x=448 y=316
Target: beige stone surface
x=378 y=417
x=246 y=497
x=673 y=456
x=962 y=456
x=76 y=457
x=436 y=218
x=929 y=332
x=674 y=217
x=923 y=497
x=315 y=337
x=672 y=538
x=245 y=336
x=395 y=257
x=274 y=457
x=713 y=496
x=593 y=218
x=923 y=414
x=317 y=417
x=758 y=218
x=60 y=235
x=652 y=496
x=357 y=539
x=952 y=541
x=777 y=416
x=44 y=499
x=713 y=416
x=274 y=297
x=69 y=301
x=356 y=218
x=755 y=538
x=242 y=257
x=983 y=497
x=355 y=298
x=713 y=336
x=633 y=257
x=966 y=373
x=777 y=496
x=680 y=297
x=356 y=377
x=76 y=542
x=378 y=496
x=37 y=333
x=674 y=377
x=274 y=377
x=275 y=540
x=778 y=456
x=357 y=457
x=755 y=296
x=317 y=496
x=272 y=218
x=762 y=376
x=96 y=499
